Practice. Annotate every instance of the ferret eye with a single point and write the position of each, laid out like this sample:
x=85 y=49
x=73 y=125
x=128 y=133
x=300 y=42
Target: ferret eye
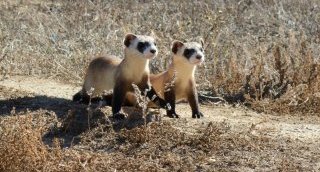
x=155 y=44
x=201 y=49
x=188 y=52
x=142 y=46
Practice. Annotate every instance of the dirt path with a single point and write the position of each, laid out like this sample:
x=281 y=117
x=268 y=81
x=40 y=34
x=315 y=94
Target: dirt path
x=305 y=129
x=40 y=86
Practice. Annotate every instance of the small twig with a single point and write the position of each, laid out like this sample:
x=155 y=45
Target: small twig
x=211 y=98
x=90 y=92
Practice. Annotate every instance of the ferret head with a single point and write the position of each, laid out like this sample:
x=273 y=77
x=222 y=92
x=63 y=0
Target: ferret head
x=189 y=52
x=140 y=46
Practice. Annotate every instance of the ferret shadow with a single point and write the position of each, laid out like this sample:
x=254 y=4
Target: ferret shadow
x=86 y=120
x=79 y=123
x=26 y=104
x=73 y=119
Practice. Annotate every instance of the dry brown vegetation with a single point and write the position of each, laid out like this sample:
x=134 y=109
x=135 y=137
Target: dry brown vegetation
x=153 y=147
x=259 y=49
x=264 y=54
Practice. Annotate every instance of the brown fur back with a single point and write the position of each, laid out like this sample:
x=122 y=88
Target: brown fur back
x=106 y=65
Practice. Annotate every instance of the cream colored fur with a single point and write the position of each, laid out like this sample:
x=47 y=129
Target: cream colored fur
x=104 y=71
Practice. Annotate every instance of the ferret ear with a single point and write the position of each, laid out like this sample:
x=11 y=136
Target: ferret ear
x=128 y=39
x=176 y=45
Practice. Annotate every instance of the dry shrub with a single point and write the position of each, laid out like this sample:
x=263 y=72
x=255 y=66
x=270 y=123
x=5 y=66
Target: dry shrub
x=215 y=148
x=285 y=79
x=22 y=148
x=155 y=132
x=83 y=119
x=20 y=145
x=295 y=88
x=152 y=147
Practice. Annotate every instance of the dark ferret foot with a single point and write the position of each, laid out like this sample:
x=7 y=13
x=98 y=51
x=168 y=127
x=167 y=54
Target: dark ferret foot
x=119 y=116
x=197 y=115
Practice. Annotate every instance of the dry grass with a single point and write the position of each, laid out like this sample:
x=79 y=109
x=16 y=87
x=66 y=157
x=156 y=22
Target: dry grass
x=263 y=53
x=153 y=147
x=258 y=49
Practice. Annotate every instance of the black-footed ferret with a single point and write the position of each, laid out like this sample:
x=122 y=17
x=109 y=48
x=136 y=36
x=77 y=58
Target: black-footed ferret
x=186 y=57
x=178 y=82
x=112 y=73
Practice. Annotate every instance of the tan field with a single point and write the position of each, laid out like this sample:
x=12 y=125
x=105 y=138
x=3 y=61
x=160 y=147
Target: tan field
x=262 y=62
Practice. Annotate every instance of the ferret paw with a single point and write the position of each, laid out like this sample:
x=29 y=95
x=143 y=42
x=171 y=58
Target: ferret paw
x=119 y=116
x=197 y=115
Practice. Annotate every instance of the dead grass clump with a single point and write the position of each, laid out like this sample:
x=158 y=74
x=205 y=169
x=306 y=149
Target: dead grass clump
x=162 y=146
x=283 y=83
x=83 y=119
x=21 y=148
x=155 y=132
x=294 y=89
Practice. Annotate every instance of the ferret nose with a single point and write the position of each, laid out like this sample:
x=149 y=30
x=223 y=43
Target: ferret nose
x=153 y=51
x=199 y=57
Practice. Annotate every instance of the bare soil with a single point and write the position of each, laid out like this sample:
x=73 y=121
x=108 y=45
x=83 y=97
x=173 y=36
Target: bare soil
x=284 y=142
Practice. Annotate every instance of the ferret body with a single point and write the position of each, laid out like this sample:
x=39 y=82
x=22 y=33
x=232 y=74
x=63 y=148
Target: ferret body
x=112 y=73
x=178 y=82
x=94 y=79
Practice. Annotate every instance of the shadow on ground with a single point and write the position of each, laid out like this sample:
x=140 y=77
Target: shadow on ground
x=73 y=119
x=22 y=104
x=81 y=120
